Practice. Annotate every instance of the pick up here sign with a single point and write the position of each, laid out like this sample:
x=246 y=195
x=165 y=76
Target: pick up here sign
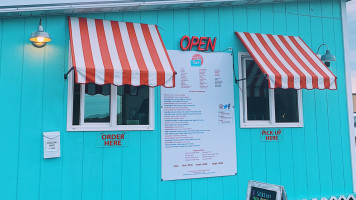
x=271 y=135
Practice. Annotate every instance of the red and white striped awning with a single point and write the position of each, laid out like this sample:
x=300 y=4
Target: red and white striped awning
x=287 y=61
x=119 y=53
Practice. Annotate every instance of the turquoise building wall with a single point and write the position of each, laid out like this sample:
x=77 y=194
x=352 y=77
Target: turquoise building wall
x=312 y=161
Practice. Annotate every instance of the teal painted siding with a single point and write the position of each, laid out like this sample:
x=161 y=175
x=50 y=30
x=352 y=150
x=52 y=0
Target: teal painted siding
x=313 y=161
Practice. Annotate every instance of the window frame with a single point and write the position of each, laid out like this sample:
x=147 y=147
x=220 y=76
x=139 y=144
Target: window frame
x=244 y=123
x=112 y=125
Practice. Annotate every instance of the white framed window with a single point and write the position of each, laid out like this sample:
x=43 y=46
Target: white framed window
x=262 y=107
x=109 y=108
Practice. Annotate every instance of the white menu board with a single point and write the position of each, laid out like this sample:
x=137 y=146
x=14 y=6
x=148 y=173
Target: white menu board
x=198 y=117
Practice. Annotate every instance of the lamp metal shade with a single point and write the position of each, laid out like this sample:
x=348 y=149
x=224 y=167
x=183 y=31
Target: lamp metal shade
x=39 y=38
x=328 y=57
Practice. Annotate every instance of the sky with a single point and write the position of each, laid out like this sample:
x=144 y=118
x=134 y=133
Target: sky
x=351 y=21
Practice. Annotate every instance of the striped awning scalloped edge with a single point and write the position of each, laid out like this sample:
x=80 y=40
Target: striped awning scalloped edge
x=119 y=53
x=287 y=61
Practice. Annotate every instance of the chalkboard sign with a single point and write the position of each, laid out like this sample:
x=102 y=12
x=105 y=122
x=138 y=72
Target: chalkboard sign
x=264 y=191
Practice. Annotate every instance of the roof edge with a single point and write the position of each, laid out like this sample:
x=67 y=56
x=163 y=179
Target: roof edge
x=118 y=6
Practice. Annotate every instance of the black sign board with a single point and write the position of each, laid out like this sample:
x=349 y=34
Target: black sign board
x=264 y=191
x=262 y=194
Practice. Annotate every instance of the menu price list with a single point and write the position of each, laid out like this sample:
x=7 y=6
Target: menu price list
x=180 y=116
x=199 y=158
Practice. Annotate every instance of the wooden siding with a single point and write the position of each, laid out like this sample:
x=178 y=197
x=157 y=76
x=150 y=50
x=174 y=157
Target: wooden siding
x=313 y=161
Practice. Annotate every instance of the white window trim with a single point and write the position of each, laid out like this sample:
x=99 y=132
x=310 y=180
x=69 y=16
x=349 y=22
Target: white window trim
x=113 y=109
x=244 y=123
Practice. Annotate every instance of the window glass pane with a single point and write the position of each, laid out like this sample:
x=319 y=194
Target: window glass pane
x=97 y=103
x=132 y=105
x=257 y=93
x=286 y=103
x=120 y=94
x=354 y=121
x=76 y=104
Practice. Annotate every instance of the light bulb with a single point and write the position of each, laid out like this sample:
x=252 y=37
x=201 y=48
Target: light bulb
x=40 y=39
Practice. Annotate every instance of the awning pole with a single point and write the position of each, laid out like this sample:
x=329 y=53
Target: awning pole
x=237 y=80
x=66 y=74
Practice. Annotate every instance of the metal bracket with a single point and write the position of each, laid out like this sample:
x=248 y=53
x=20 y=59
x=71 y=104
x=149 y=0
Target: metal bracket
x=237 y=80
x=66 y=74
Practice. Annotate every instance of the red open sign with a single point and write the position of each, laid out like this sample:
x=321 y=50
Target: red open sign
x=203 y=43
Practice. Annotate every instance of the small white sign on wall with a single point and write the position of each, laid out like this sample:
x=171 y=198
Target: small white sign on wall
x=51 y=144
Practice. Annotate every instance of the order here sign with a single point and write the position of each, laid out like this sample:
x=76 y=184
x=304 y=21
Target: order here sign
x=111 y=140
